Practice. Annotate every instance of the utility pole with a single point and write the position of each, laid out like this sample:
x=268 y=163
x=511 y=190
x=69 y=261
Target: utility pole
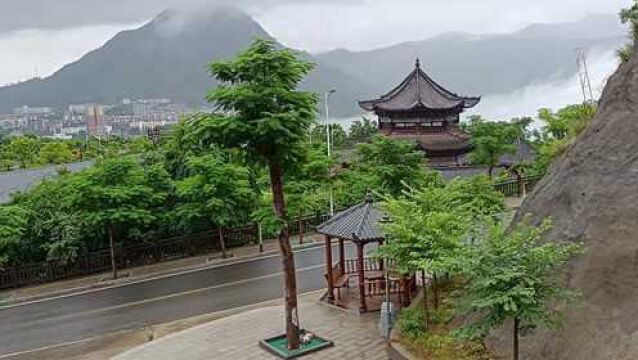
x=583 y=76
x=329 y=143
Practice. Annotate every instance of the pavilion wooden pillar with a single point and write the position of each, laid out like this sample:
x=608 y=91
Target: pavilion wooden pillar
x=360 y=269
x=381 y=260
x=329 y=275
x=342 y=257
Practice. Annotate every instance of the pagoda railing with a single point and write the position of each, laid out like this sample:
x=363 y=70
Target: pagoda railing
x=517 y=187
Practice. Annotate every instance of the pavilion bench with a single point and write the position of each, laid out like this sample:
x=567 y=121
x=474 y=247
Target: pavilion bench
x=339 y=279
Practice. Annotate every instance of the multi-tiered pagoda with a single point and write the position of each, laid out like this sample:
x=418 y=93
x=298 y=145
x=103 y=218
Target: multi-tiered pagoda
x=420 y=109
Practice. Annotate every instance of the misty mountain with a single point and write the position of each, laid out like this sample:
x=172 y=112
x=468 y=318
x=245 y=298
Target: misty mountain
x=486 y=64
x=165 y=58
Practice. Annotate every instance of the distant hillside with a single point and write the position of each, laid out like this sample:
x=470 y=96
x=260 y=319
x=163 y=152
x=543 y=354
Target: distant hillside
x=164 y=58
x=487 y=64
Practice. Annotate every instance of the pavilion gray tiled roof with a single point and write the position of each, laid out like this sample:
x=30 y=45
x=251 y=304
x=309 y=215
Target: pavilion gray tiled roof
x=359 y=223
x=418 y=90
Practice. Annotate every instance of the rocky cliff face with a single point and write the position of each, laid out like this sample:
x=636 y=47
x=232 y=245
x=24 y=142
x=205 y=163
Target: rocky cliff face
x=591 y=194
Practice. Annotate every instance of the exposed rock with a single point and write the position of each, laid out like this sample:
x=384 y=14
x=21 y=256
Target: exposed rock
x=591 y=194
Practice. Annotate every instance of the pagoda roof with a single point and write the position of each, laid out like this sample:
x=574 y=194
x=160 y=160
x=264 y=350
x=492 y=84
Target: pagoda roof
x=418 y=90
x=359 y=223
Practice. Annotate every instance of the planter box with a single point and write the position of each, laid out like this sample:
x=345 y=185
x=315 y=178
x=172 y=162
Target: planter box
x=279 y=346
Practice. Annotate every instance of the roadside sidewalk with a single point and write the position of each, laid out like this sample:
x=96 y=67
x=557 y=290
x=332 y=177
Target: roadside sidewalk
x=236 y=337
x=102 y=280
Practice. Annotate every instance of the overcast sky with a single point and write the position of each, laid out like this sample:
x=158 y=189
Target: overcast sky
x=39 y=36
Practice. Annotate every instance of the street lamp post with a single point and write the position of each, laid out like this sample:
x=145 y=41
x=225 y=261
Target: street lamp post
x=329 y=142
x=387 y=310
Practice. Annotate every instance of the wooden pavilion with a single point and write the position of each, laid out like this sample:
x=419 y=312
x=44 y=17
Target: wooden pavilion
x=360 y=225
x=422 y=110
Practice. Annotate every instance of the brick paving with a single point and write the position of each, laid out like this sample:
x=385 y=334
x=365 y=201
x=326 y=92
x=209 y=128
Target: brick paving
x=236 y=337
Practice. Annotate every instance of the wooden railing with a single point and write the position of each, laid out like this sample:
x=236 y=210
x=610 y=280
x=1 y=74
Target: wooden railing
x=377 y=287
x=517 y=187
x=369 y=264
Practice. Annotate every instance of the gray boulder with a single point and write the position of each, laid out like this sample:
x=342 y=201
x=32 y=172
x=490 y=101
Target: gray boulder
x=591 y=193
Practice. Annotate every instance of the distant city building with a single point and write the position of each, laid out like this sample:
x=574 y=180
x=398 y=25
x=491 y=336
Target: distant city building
x=94 y=119
x=33 y=111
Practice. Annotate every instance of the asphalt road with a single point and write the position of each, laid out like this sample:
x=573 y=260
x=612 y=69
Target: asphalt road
x=133 y=306
x=20 y=180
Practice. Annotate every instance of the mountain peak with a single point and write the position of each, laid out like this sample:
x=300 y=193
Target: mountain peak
x=172 y=22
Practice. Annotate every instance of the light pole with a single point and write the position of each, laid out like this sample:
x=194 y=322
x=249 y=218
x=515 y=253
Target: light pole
x=387 y=310
x=329 y=142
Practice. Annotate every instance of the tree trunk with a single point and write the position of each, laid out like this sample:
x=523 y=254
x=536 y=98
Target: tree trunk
x=515 y=338
x=112 y=248
x=435 y=286
x=222 y=242
x=292 y=319
x=490 y=170
x=426 y=306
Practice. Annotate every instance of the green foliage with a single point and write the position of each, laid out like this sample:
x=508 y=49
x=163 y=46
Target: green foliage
x=337 y=134
x=269 y=117
x=115 y=194
x=630 y=16
x=411 y=322
x=24 y=150
x=213 y=192
x=625 y=52
x=515 y=276
x=491 y=140
x=56 y=153
x=384 y=166
x=13 y=224
x=567 y=122
x=431 y=224
x=54 y=228
x=561 y=128
x=363 y=129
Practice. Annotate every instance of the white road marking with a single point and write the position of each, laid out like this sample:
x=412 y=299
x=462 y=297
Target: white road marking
x=164 y=297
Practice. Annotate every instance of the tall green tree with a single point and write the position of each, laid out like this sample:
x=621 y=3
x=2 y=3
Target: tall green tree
x=55 y=152
x=490 y=141
x=214 y=192
x=432 y=225
x=24 y=149
x=363 y=129
x=115 y=196
x=13 y=225
x=391 y=164
x=268 y=118
x=515 y=276
x=338 y=135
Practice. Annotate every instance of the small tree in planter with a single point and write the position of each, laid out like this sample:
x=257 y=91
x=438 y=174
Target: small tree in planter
x=514 y=276
x=268 y=118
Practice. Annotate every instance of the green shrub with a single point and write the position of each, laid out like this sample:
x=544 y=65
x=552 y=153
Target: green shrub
x=412 y=323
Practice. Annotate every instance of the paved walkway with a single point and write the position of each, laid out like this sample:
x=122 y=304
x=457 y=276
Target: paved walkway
x=236 y=337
